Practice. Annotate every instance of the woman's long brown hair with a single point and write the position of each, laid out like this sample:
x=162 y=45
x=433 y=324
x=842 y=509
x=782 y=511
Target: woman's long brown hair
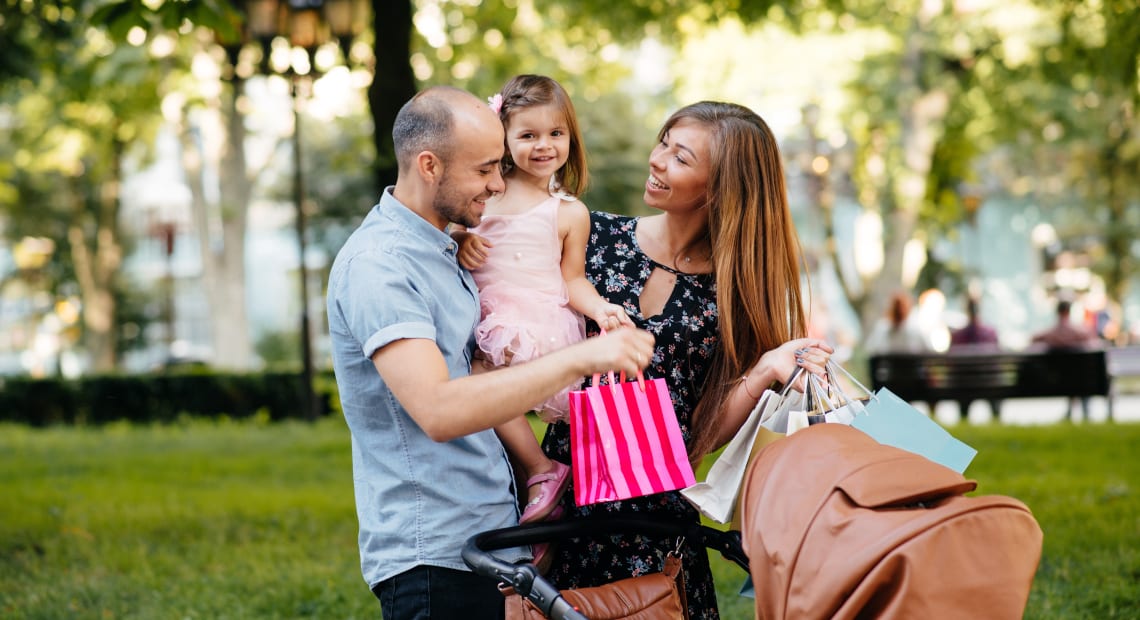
x=756 y=255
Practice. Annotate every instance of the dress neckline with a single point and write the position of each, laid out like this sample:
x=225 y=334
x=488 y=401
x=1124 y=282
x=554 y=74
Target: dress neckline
x=662 y=266
x=526 y=211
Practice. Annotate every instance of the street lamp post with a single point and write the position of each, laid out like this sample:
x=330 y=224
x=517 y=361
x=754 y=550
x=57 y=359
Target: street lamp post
x=299 y=220
x=307 y=24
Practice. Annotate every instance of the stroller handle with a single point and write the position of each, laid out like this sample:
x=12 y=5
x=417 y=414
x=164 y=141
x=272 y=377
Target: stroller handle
x=524 y=578
x=526 y=581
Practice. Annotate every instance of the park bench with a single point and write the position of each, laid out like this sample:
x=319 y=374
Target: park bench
x=1123 y=364
x=993 y=375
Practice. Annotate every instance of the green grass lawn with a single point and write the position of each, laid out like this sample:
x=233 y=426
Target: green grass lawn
x=253 y=520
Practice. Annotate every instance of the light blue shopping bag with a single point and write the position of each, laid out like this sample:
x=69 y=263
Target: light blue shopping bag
x=895 y=422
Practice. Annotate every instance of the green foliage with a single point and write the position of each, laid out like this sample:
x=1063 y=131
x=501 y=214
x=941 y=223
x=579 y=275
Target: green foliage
x=618 y=145
x=1056 y=119
x=25 y=26
x=120 y=16
x=1089 y=145
x=480 y=46
x=338 y=161
x=101 y=399
x=279 y=349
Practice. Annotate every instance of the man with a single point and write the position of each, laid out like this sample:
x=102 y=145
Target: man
x=428 y=471
x=975 y=332
x=975 y=336
x=1064 y=334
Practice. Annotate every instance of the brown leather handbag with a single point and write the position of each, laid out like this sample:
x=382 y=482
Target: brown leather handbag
x=839 y=526
x=659 y=596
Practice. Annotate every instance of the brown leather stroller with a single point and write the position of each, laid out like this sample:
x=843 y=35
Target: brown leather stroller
x=837 y=525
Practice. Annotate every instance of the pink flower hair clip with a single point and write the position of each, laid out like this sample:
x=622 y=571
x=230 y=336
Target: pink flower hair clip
x=496 y=102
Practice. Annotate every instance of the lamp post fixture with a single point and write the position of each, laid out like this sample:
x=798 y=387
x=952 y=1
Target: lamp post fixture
x=166 y=231
x=307 y=25
x=165 y=214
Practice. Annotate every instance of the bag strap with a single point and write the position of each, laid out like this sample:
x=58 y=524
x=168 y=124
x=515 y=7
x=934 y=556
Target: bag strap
x=675 y=570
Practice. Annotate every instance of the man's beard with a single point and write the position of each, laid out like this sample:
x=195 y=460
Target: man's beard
x=453 y=207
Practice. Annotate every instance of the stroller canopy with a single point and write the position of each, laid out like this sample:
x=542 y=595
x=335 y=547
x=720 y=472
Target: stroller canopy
x=837 y=525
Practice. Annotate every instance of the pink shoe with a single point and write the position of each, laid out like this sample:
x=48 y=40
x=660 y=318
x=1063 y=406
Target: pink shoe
x=552 y=486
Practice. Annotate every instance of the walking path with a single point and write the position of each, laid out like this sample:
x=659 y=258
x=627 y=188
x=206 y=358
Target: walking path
x=1026 y=411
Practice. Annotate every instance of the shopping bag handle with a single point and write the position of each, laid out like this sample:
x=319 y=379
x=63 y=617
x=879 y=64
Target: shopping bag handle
x=832 y=365
x=791 y=381
x=614 y=383
x=610 y=376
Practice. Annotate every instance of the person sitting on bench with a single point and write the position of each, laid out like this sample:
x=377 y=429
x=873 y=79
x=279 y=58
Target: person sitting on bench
x=1064 y=334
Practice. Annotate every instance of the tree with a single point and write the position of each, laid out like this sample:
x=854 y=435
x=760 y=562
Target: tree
x=1093 y=96
x=207 y=111
x=393 y=82
x=76 y=114
x=222 y=225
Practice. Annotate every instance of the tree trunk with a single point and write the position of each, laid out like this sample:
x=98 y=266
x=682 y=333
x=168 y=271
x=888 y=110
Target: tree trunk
x=221 y=235
x=923 y=114
x=393 y=82
x=1118 y=230
x=225 y=261
x=96 y=261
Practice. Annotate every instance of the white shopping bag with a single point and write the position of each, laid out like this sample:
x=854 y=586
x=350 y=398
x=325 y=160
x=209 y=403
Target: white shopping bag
x=716 y=496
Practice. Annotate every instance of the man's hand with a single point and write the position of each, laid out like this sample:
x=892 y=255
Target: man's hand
x=624 y=349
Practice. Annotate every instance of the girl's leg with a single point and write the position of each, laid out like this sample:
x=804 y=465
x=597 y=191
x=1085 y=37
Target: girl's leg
x=520 y=442
x=518 y=438
x=546 y=479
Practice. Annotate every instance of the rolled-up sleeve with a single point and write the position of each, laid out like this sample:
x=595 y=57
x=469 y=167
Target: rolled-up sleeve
x=385 y=301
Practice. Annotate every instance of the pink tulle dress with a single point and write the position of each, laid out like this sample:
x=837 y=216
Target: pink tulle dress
x=523 y=298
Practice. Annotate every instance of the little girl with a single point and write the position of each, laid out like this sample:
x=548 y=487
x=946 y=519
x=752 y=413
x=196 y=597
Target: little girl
x=528 y=257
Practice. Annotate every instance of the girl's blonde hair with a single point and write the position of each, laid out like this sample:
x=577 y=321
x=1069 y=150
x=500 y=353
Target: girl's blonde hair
x=524 y=91
x=756 y=254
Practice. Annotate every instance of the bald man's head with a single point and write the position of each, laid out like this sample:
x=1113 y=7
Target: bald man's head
x=428 y=121
x=449 y=146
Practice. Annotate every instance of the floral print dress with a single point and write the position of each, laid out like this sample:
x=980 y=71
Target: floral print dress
x=686 y=338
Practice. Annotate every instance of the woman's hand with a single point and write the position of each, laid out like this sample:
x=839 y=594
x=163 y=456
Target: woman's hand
x=779 y=364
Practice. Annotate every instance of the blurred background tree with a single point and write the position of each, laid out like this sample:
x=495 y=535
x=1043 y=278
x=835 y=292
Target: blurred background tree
x=72 y=116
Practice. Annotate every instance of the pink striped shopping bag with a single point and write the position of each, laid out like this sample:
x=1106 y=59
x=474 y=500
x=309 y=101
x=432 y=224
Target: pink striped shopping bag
x=625 y=441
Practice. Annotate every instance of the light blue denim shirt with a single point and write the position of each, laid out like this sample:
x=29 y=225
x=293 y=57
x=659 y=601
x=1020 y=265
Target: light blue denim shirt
x=417 y=500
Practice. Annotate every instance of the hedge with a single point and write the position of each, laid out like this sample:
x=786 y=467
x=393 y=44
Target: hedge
x=159 y=397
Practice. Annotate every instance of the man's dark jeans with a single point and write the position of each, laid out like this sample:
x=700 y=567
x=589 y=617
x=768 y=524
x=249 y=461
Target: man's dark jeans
x=434 y=593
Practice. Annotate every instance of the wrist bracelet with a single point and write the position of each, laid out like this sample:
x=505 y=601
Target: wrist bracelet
x=744 y=382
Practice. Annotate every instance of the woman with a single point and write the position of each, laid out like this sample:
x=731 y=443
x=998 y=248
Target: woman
x=898 y=331
x=715 y=277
